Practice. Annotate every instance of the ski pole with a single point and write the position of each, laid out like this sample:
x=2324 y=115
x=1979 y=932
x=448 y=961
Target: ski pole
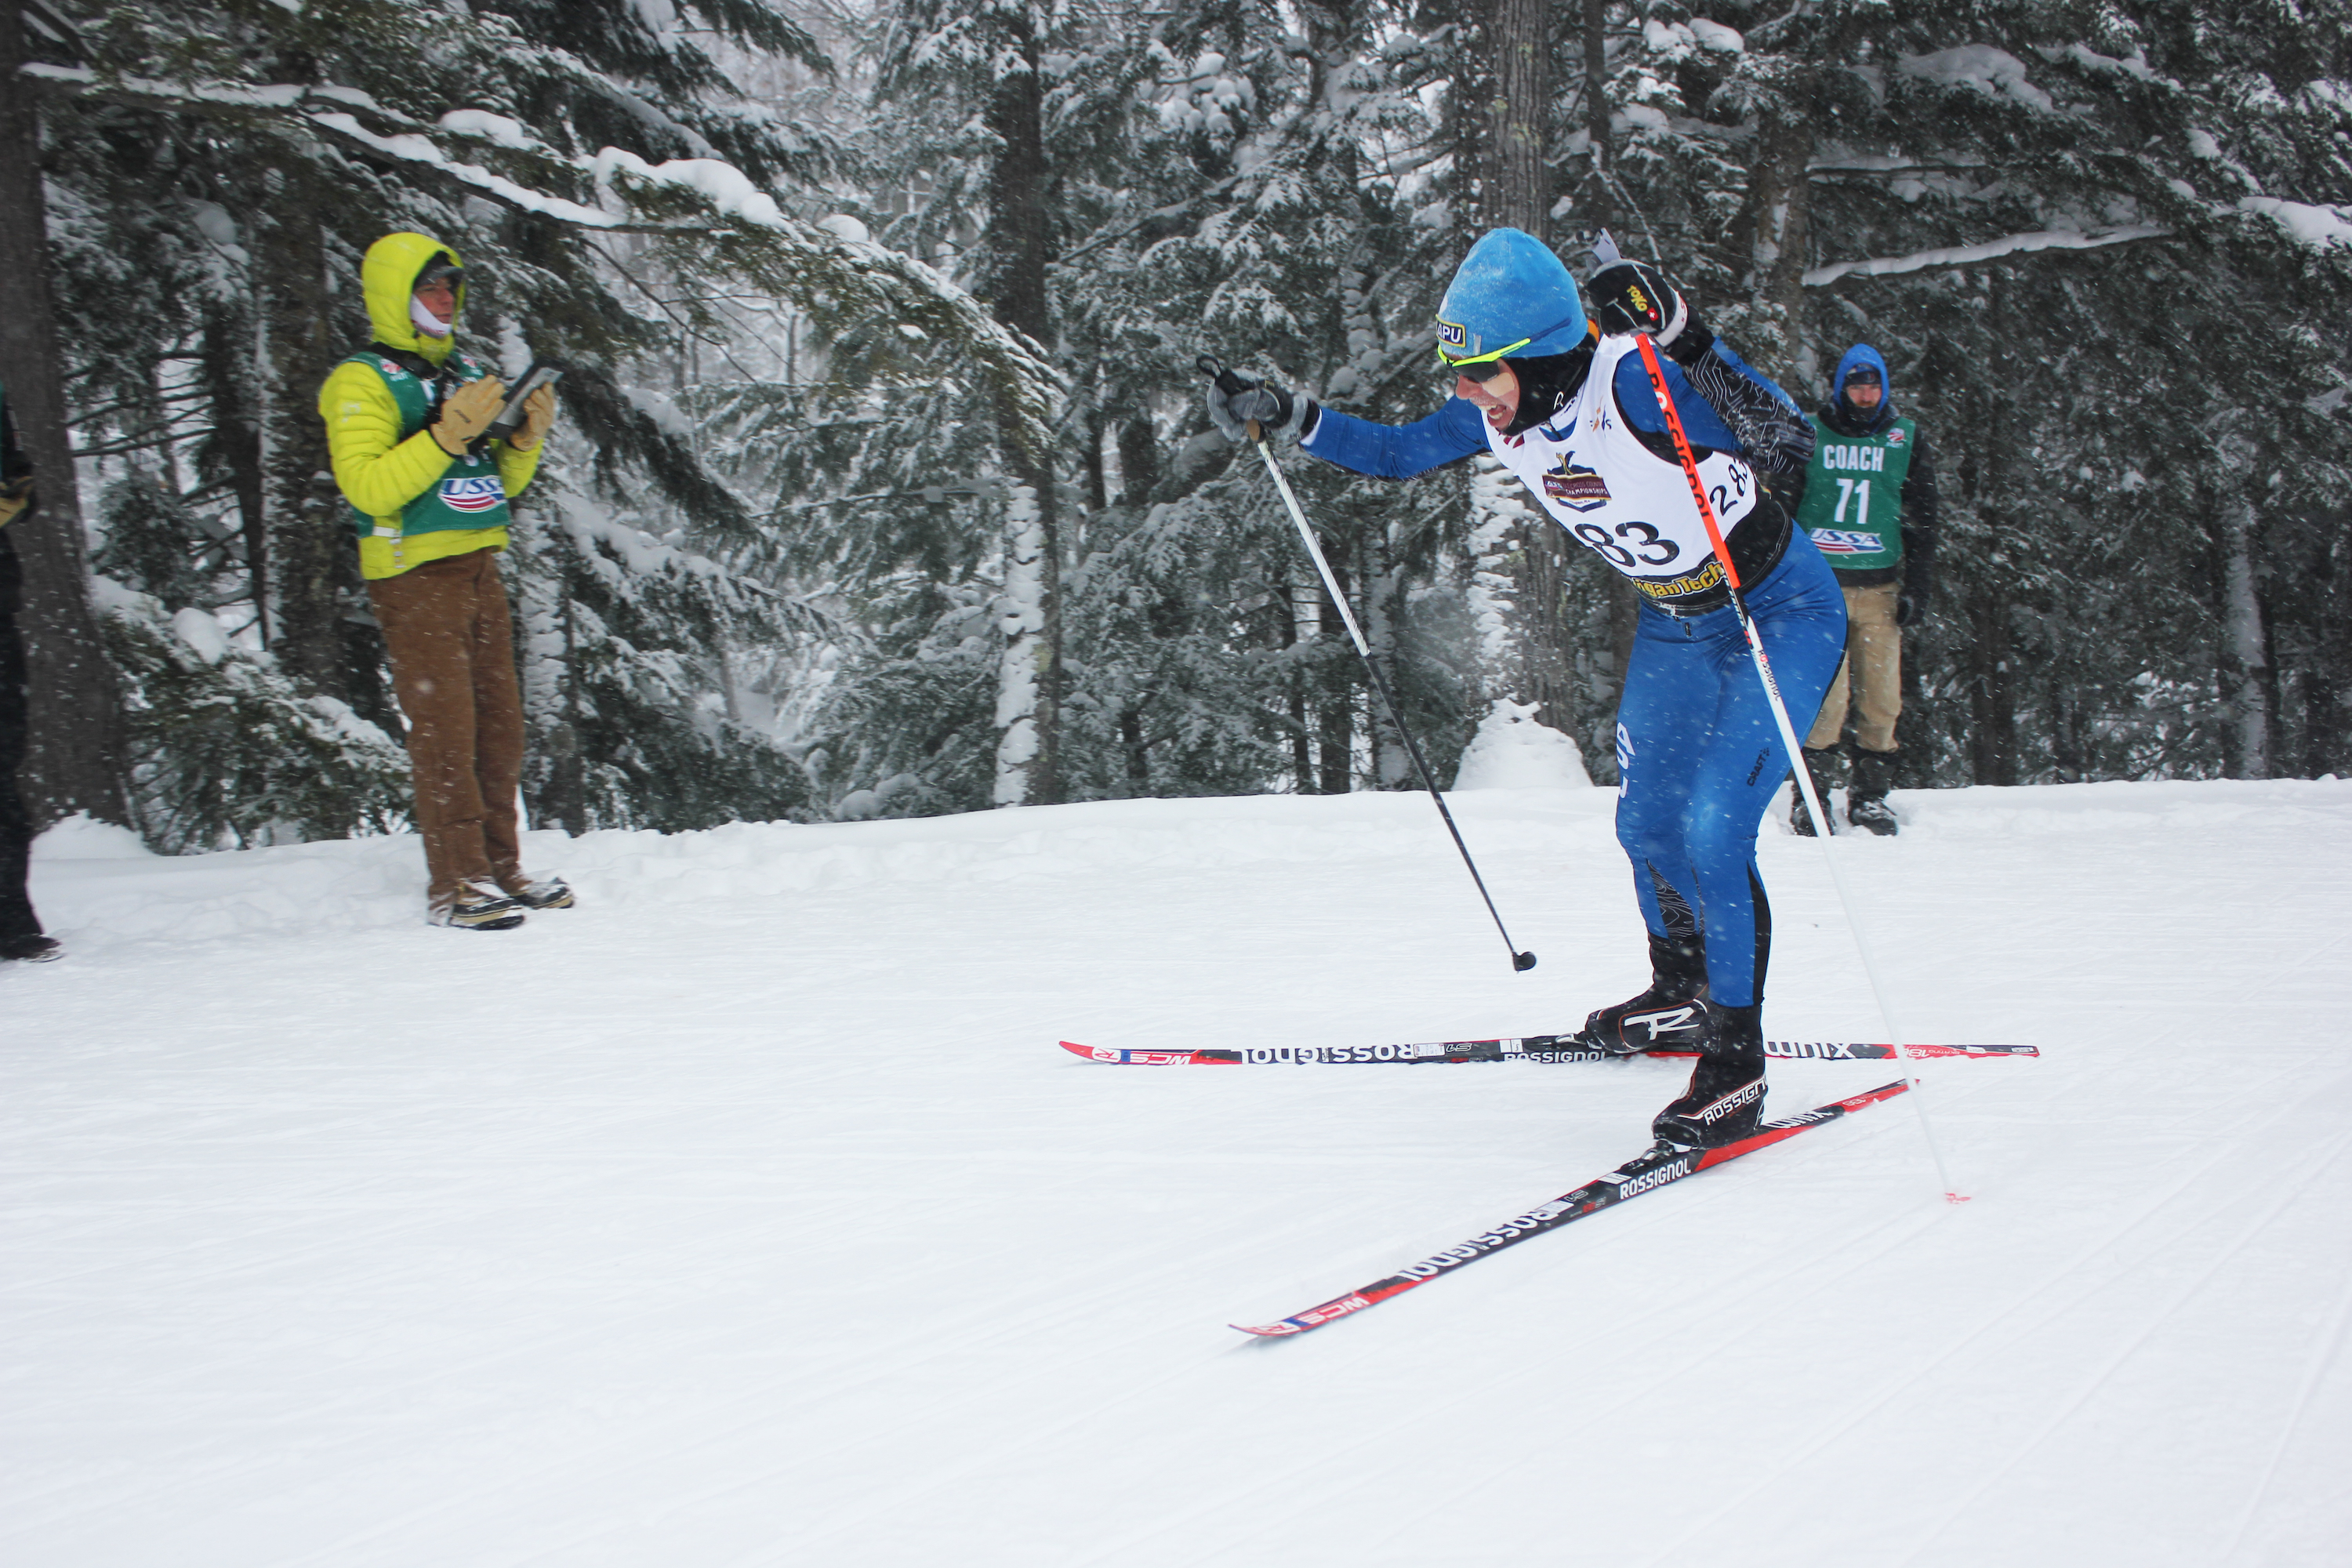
x=1789 y=740
x=1227 y=381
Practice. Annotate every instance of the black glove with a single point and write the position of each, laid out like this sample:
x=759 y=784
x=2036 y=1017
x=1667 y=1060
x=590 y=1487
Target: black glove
x=1234 y=400
x=1633 y=297
x=1907 y=607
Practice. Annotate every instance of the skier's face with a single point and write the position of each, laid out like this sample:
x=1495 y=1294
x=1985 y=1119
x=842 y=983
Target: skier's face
x=440 y=299
x=1498 y=397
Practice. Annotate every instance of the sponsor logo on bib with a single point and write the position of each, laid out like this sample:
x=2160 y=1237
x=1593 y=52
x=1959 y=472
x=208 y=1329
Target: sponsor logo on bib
x=1847 y=541
x=1575 y=487
x=478 y=494
x=1698 y=581
x=1898 y=435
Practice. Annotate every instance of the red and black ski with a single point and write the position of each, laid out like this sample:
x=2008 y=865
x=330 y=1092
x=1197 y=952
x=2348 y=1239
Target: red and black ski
x=1664 y=1164
x=1529 y=1049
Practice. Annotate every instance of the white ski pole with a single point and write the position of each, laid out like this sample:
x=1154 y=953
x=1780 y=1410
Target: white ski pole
x=1796 y=752
x=1229 y=383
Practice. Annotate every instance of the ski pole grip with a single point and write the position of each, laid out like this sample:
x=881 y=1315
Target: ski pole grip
x=1227 y=381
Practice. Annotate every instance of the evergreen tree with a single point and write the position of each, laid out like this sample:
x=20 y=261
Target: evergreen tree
x=222 y=166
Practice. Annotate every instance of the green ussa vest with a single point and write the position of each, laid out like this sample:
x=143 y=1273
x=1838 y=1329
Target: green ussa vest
x=469 y=494
x=1853 y=495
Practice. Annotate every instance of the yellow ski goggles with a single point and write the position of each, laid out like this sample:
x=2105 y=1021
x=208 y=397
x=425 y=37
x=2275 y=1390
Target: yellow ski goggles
x=1481 y=367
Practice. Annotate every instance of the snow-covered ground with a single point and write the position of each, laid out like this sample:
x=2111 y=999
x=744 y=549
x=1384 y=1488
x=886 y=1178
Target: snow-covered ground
x=747 y=1213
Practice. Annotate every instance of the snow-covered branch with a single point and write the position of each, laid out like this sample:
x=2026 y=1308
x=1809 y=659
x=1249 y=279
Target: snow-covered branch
x=1990 y=250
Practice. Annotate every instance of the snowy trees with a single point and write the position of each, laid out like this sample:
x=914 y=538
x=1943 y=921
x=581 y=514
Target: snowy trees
x=214 y=171
x=930 y=521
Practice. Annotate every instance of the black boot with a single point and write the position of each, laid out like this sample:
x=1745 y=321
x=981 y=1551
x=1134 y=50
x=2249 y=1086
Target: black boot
x=1865 y=803
x=1667 y=1016
x=1725 y=1098
x=1824 y=766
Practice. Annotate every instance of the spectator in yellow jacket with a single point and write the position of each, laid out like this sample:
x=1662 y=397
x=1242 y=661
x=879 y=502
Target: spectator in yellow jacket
x=405 y=422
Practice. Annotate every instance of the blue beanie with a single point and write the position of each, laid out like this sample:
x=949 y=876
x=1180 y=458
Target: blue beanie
x=1510 y=295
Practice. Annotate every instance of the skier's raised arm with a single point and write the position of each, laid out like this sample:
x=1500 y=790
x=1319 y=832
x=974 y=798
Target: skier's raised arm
x=1764 y=422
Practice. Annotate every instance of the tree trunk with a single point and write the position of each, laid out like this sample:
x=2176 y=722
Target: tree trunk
x=73 y=758
x=237 y=442
x=1779 y=199
x=1992 y=697
x=1020 y=232
x=1335 y=724
x=1139 y=460
x=1601 y=204
x=2245 y=659
x=1020 y=696
x=1139 y=755
x=311 y=547
x=1304 y=624
x=1519 y=186
x=1541 y=665
x=1335 y=749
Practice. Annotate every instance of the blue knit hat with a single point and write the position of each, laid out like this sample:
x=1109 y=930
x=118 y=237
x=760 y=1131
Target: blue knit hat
x=1511 y=296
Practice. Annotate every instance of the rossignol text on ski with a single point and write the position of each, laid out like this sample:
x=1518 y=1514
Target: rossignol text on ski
x=1664 y=1164
x=1545 y=1048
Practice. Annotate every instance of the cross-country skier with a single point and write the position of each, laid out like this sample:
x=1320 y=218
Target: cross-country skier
x=1571 y=413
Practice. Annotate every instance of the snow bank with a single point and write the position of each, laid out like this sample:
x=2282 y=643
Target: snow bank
x=83 y=838
x=747 y=1213
x=1511 y=751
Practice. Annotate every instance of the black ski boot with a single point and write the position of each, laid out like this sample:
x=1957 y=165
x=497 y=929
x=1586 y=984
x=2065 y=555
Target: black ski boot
x=1865 y=803
x=1725 y=1098
x=1668 y=1016
x=1824 y=766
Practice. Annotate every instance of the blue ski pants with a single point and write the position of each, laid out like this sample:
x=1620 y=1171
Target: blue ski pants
x=1699 y=758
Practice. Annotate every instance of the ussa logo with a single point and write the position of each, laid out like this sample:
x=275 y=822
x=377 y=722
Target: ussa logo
x=1847 y=541
x=473 y=494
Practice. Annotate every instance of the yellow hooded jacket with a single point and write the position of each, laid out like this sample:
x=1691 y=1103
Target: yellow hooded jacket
x=381 y=466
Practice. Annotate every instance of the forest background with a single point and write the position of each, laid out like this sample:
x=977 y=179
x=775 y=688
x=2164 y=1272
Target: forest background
x=882 y=484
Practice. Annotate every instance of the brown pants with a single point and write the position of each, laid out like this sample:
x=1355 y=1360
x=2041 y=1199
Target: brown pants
x=1874 y=643
x=452 y=646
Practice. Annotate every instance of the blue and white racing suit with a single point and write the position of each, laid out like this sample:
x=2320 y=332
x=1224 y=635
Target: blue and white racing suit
x=1698 y=753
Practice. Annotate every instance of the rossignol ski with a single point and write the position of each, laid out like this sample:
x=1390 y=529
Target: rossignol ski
x=1663 y=1164
x=1529 y=1049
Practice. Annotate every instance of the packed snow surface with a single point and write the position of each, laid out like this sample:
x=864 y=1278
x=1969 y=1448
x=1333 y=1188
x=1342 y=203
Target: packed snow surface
x=747 y=1213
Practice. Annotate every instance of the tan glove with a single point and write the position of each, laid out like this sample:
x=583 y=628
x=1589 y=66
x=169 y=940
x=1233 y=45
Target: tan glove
x=466 y=411
x=14 y=498
x=537 y=418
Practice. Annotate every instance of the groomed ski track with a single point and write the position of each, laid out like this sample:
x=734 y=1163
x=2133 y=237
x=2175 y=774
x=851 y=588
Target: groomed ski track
x=748 y=1215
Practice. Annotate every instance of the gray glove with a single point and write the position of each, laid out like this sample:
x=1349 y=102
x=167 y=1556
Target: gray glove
x=1236 y=400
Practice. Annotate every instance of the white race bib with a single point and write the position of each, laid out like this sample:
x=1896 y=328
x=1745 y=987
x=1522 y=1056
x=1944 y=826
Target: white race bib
x=1619 y=500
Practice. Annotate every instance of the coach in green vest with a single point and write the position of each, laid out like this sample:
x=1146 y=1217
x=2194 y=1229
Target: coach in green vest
x=1868 y=500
